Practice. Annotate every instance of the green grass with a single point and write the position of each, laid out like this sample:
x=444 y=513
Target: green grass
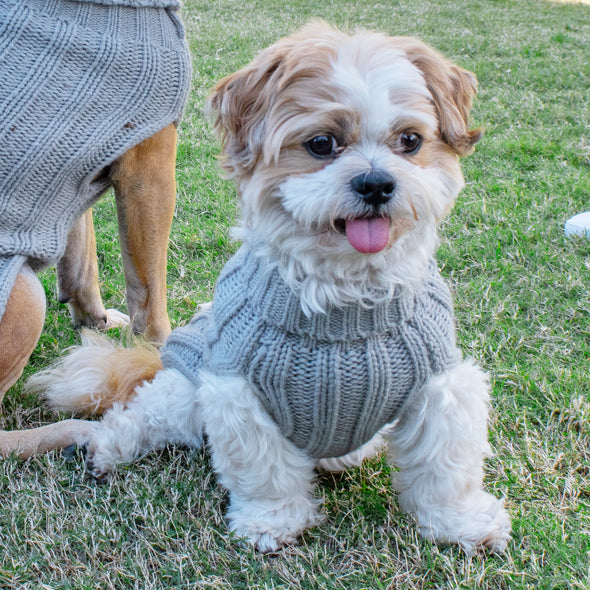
x=523 y=308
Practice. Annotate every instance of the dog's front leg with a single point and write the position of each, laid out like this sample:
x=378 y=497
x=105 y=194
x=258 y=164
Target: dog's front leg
x=269 y=479
x=439 y=446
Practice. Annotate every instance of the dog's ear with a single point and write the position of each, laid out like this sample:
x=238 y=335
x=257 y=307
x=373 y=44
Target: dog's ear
x=239 y=103
x=452 y=89
x=242 y=102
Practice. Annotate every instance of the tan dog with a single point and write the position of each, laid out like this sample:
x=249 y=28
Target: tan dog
x=99 y=109
x=145 y=188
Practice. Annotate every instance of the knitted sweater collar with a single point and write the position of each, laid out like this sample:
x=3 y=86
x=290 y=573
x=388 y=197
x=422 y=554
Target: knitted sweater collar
x=277 y=304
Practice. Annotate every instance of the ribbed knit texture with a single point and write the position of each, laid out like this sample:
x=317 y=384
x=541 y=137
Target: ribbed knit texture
x=80 y=83
x=137 y=3
x=330 y=381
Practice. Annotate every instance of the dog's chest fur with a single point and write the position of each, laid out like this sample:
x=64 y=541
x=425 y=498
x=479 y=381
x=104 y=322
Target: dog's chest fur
x=330 y=381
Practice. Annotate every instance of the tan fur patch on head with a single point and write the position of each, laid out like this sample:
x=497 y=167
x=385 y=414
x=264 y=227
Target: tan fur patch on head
x=452 y=89
x=242 y=101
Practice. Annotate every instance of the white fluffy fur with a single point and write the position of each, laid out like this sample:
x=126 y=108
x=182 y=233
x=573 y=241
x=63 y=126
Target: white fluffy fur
x=164 y=411
x=322 y=265
x=440 y=441
x=439 y=445
x=335 y=273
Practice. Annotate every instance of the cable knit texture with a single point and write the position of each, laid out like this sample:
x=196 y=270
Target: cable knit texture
x=137 y=3
x=82 y=82
x=330 y=381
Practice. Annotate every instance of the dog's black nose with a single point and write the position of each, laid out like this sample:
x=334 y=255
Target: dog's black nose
x=375 y=187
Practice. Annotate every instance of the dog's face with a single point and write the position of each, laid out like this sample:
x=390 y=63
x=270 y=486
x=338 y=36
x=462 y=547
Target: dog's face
x=345 y=151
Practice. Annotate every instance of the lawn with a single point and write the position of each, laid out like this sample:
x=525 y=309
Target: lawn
x=523 y=309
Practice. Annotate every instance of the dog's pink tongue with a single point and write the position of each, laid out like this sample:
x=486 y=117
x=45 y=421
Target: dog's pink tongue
x=368 y=235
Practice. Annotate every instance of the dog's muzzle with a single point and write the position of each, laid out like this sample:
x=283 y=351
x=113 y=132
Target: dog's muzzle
x=370 y=231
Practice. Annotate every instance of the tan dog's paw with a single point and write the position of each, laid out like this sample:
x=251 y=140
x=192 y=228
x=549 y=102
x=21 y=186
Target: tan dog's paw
x=116 y=319
x=86 y=318
x=99 y=319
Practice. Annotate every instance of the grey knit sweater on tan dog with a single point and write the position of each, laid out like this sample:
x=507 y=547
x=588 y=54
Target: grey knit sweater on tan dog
x=82 y=81
x=330 y=380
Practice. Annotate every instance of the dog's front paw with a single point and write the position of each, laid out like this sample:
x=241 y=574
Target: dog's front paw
x=480 y=522
x=491 y=525
x=272 y=525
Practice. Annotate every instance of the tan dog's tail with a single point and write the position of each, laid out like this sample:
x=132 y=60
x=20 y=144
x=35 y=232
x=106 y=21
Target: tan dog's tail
x=94 y=376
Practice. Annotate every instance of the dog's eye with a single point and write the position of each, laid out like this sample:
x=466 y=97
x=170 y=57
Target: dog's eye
x=410 y=142
x=322 y=146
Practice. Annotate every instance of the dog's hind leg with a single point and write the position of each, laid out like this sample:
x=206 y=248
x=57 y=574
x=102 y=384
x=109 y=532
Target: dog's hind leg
x=20 y=326
x=163 y=411
x=269 y=479
x=439 y=446
x=77 y=279
x=145 y=188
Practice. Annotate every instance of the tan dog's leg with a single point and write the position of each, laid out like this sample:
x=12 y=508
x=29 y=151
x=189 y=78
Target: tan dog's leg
x=20 y=327
x=145 y=187
x=26 y=443
x=77 y=279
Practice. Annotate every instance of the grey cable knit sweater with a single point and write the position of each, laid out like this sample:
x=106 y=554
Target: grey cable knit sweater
x=81 y=82
x=330 y=381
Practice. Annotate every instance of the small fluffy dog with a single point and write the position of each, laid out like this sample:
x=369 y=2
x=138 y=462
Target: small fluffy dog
x=331 y=332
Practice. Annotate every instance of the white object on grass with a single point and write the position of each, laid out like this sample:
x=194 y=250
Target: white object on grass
x=578 y=225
